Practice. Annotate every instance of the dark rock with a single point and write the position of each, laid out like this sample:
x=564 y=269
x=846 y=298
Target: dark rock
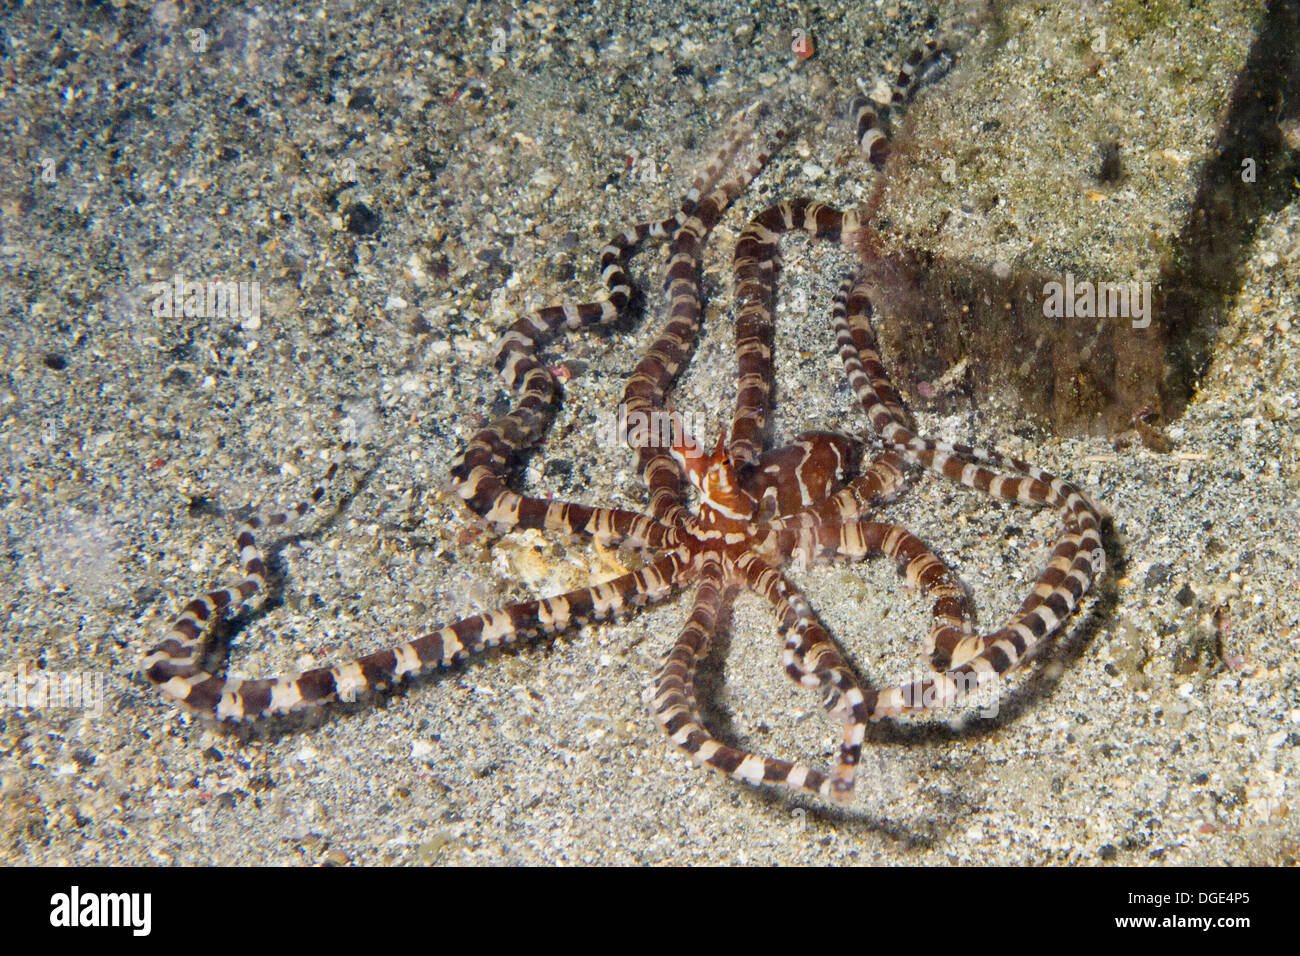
x=360 y=220
x=362 y=98
x=1158 y=574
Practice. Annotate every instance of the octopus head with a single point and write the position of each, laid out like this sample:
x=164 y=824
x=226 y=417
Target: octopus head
x=714 y=475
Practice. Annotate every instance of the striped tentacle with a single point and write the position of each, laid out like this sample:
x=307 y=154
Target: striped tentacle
x=189 y=637
x=675 y=707
x=754 y=265
x=870 y=134
x=659 y=367
x=998 y=652
x=920 y=567
x=851 y=318
x=924 y=65
x=1034 y=486
x=234 y=699
x=609 y=526
x=811 y=659
x=1057 y=593
x=860 y=355
x=756 y=259
x=1078 y=557
x=479 y=475
x=740 y=129
x=870 y=380
x=676 y=712
x=969 y=661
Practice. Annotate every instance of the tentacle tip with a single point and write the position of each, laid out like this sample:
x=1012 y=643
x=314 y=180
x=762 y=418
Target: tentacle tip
x=841 y=783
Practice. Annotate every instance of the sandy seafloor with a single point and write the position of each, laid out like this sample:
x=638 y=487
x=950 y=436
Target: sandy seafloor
x=135 y=442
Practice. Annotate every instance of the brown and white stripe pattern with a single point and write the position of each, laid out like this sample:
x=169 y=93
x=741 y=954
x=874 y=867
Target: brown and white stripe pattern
x=675 y=708
x=1076 y=561
x=754 y=265
x=757 y=508
x=479 y=477
x=833 y=528
x=924 y=65
x=655 y=373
